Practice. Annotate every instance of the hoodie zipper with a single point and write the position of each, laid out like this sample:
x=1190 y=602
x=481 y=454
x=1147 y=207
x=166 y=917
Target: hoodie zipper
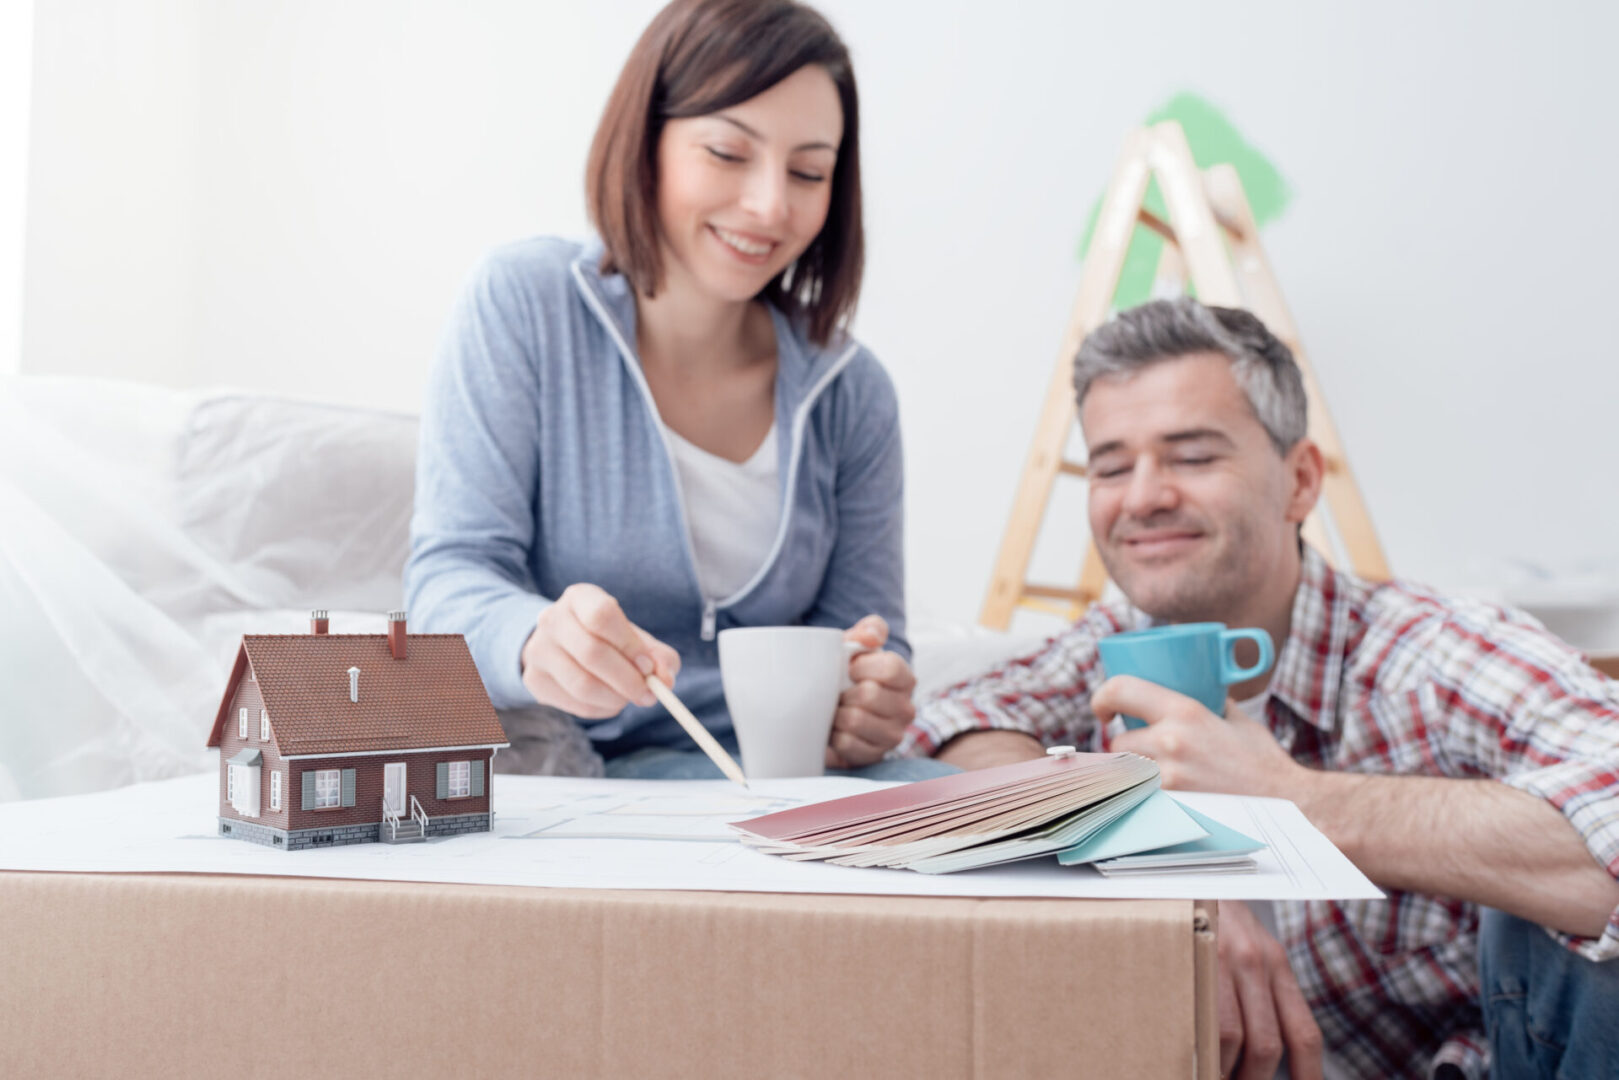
x=707 y=629
x=800 y=421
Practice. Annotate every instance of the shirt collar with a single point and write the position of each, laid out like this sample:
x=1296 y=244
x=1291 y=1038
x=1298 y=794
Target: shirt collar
x=1311 y=662
x=1306 y=675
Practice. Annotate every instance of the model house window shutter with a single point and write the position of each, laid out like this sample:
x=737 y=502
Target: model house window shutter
x=475 y=779
x=442 y=790
x=348 y=787
x=306 y=781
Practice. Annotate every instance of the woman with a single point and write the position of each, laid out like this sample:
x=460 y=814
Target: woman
x=631 y=445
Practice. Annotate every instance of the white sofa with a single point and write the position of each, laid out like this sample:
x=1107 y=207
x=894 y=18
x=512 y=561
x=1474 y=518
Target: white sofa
x=143 y=530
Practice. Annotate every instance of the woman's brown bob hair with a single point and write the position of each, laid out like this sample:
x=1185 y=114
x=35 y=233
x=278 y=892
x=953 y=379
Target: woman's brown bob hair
x=697 y=57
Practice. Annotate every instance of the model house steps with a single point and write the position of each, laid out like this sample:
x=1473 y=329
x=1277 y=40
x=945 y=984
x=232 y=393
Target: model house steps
x=410 y=832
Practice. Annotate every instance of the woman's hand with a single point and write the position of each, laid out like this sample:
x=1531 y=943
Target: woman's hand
x=586 y=658
x=872 y=714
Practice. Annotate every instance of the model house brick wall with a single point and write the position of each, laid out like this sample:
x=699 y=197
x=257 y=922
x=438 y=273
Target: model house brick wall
x=420 y=781
x=232 y=742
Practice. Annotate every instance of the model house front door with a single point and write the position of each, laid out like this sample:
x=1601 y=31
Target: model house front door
x=393 y=787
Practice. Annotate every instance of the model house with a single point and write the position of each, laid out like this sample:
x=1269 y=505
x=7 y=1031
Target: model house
x=348 y=738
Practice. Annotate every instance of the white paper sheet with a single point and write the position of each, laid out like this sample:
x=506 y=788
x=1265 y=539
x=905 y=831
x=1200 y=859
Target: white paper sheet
x=171 y=826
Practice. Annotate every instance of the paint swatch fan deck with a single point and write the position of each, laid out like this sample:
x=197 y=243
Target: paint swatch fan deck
x=966 y=820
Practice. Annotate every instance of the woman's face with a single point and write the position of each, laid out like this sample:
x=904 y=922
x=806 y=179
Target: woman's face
x=743 y=191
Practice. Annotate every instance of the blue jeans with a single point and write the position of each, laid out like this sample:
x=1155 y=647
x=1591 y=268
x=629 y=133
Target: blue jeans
x=663 y=763
x=1548 y=1012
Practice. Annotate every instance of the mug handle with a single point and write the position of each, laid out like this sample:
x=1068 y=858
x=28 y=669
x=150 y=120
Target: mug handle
x=851 y=649
x=1229 y=671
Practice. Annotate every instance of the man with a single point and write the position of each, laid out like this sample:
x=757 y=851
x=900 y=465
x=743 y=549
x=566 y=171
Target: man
x=1466 y=760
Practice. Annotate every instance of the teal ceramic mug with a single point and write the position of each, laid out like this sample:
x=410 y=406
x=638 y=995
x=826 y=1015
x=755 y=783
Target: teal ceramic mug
x=1194 y=659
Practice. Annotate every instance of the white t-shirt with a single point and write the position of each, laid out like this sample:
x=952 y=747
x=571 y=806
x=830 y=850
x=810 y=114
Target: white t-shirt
x=731 y=510
x=1255 y=707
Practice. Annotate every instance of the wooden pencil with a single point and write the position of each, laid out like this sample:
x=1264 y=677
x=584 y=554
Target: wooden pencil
x=694 y=727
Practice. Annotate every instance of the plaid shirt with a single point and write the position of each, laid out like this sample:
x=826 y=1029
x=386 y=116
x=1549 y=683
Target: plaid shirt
x=1390 y=679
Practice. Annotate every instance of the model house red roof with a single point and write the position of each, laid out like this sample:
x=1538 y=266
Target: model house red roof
x=431 y=698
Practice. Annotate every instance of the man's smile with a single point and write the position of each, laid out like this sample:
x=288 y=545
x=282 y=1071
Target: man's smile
x=1160 y=543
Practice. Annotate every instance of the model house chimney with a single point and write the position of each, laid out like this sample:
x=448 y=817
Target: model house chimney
x=354 y=684
x=396 y=634
x=317 y=621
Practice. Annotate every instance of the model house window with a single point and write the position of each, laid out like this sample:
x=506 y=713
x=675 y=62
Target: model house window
x=241 y=723
x=230 y=784
x=460 y=779
x=328 y=788
x=275 y=790
x=264 y=726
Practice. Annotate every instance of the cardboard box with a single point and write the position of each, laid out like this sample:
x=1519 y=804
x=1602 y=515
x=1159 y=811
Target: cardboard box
x=219 y=976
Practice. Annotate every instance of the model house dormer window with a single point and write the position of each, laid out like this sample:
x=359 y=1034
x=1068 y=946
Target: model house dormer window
x=460 y=779
x=264 y=725
x=241 y=723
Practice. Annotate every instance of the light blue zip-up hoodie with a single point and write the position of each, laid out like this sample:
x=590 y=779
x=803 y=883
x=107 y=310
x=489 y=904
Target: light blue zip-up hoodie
x=543 y=464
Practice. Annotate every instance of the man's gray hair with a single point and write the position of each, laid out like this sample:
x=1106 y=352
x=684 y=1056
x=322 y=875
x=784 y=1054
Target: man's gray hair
x=1166 y=329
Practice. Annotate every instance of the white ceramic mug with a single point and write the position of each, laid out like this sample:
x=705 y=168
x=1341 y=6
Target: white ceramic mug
x=781 y=686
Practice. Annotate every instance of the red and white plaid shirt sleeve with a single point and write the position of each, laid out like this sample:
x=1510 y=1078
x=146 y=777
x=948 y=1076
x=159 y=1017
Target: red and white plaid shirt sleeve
x=1045 y=694
x=1521 y=706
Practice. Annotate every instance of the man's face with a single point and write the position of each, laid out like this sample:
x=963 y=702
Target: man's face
x=1191 y=507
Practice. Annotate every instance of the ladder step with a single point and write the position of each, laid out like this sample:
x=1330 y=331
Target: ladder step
x=1072 y=468
x=1065 y=612
x=1055 y=592
x=1158 y=225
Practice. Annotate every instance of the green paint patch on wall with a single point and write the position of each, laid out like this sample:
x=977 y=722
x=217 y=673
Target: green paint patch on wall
x=1213 y=139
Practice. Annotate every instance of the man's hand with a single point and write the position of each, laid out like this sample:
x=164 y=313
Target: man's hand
x=586 y=658
x=1262 y=1009
x=873 y=713
x=986 y=749
x=1195 y=749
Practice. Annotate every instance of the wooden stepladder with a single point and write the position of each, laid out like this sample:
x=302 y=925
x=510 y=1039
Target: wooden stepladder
x=1211 y=241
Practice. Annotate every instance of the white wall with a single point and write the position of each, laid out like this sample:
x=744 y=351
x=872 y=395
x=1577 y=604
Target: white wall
x=112 y=252
x=16 y=76
x=286 y=196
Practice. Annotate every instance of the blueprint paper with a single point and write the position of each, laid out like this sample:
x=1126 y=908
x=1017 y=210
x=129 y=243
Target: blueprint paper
x=171 y=826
